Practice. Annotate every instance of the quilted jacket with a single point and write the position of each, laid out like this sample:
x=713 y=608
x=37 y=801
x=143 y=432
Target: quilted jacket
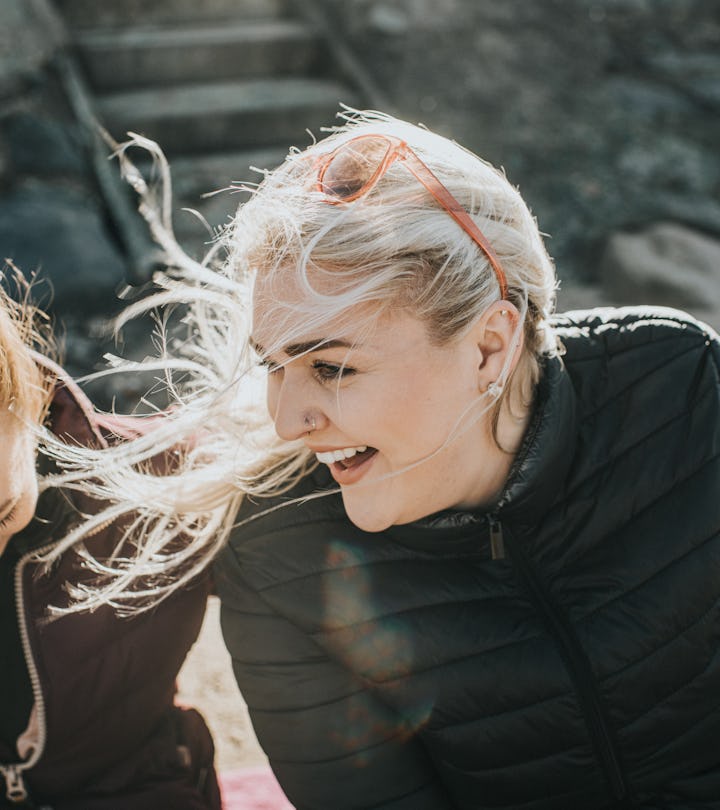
x=560 y=651
x=105 y=732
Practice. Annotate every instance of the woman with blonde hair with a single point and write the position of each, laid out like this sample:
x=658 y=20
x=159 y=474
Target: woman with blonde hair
x=479 y=564
x=87 y=719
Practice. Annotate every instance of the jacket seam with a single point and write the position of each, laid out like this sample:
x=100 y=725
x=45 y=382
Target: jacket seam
x=602 y=538
x=421 y=609
x=665 y=644
x=583 y=482
x=293 y=710
x=350 y=755
x=531 y=761
x=671 y=694
x=691 y=333
x=640 y=380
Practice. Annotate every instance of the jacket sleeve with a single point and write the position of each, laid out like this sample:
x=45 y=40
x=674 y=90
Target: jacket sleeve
x=331 y=743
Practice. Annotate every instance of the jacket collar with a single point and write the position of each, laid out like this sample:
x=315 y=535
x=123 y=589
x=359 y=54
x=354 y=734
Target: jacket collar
x=548 y=449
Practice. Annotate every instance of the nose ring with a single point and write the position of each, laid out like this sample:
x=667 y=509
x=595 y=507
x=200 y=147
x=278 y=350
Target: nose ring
x=310 y=423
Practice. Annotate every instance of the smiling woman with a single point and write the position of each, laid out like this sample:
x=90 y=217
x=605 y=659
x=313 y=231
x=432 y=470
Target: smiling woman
x=469 y=553
x=391 y=401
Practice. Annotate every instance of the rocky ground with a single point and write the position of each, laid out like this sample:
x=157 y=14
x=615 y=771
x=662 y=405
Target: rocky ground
x=207 y=682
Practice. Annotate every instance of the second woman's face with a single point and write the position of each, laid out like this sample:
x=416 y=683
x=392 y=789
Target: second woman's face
x=381 y=410
x=18 y=479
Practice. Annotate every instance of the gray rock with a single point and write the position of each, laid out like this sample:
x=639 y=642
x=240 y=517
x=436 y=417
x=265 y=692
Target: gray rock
x=666 y=264
x=25 y=45
x=604 y=114
x=40 y=146
x=60 y=233
x=697 y=74
x=387 y=19
x=4 y=164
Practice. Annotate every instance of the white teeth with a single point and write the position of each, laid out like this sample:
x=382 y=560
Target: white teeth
x=332 y=456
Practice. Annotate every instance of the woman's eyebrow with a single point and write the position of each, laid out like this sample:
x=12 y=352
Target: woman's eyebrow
x=306 y=346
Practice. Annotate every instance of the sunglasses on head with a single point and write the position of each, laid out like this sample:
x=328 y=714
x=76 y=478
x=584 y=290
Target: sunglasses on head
x=353 y=169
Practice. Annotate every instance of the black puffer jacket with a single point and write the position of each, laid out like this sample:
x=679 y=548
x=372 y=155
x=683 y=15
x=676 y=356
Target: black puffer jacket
x=577 y=667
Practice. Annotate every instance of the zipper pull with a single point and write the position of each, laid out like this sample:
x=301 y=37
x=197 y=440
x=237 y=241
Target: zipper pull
x=14 y=784
x=497 y=544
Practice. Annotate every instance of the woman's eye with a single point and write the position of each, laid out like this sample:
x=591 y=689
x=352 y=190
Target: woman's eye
x=8 y=518
x=325 y=371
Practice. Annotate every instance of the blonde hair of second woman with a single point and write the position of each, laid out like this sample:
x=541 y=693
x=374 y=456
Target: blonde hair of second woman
x=394 y=247
x=23 y=388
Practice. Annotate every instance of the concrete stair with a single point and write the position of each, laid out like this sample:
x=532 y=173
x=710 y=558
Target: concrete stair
x=221 y=85
x=151 y=56
x=121 y=13
x=197 y=118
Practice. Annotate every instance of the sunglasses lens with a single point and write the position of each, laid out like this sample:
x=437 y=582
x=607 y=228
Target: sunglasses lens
x=353 y=167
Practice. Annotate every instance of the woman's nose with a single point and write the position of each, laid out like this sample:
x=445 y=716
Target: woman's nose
x=291 y=410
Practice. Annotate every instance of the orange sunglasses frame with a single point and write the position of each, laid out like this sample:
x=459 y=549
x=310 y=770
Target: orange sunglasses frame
x=399 y=150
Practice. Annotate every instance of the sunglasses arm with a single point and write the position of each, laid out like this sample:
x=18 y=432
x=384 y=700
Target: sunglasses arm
x=457 y=212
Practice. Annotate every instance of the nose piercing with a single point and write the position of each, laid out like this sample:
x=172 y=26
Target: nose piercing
x=310 y=423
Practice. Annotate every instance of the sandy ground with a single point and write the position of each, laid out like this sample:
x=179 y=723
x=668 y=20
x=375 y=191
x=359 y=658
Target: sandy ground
x=206 y=682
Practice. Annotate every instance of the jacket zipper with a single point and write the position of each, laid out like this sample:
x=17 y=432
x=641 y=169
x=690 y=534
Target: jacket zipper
x=14 y=783
x=578 y=665
x=497 y=541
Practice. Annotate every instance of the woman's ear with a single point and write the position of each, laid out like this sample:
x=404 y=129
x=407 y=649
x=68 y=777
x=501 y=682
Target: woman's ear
x=499 y=339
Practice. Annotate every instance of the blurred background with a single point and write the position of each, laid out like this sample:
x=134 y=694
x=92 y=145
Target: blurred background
x=605 y=114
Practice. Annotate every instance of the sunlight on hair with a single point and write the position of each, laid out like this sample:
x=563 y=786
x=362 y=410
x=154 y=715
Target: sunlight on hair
x=396 y=247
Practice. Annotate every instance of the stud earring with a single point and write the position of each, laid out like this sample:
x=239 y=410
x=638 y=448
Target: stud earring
x=494 y=389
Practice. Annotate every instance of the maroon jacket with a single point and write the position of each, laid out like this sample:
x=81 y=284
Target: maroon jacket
x=110 y=736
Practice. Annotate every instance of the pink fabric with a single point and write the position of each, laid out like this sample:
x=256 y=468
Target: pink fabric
x=252 y=789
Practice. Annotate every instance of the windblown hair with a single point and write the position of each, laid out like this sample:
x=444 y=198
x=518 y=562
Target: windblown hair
x=393 y=248
x=23 y=388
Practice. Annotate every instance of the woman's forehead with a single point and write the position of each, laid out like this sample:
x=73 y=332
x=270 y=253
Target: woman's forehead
x=279 y=328
x=362 y=328
x=285 y=314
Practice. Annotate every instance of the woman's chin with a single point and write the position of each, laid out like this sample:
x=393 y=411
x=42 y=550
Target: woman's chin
x=364 y=513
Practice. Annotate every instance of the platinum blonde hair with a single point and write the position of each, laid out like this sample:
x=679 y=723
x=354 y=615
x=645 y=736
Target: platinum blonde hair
x=394 y=247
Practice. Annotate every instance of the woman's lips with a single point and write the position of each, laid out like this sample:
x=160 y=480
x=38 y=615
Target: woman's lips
x=350 y=470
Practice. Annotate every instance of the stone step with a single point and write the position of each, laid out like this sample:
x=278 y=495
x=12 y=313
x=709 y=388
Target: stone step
x=225 y=115
x=197 y=175
x=153 y=56
x=93 y=13
x=211 y=185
